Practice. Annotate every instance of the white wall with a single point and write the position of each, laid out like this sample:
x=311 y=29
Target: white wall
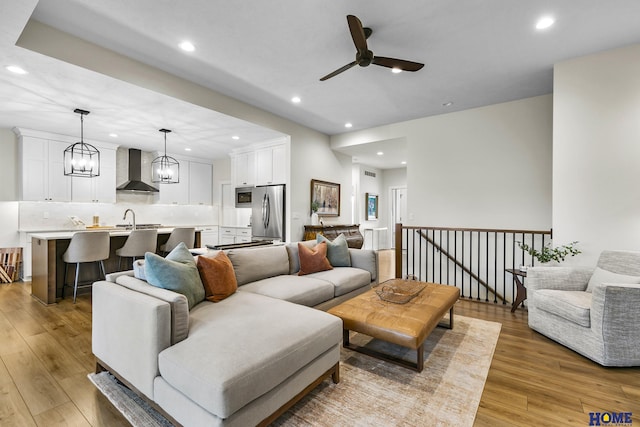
x=596 y=153
x=9 y=236
x=486 y=167
x=313 y=159
x=8 y=171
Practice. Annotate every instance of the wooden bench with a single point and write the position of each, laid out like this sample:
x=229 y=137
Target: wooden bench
x=406 y=325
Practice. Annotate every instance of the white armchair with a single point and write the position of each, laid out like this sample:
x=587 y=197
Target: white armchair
x=593 y=311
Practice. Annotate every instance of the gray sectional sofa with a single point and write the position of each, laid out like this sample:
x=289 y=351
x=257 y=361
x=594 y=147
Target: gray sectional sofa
x=238 y=362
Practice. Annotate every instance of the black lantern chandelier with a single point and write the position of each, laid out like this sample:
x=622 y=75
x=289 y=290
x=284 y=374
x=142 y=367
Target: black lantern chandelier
x=81 y=159
x=165 y=169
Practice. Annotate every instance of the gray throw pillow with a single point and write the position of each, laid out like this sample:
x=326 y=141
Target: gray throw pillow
x=337 y=251
x=177 y=272
x=604 y=276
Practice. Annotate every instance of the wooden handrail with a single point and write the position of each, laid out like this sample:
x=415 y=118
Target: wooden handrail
x=481 y=230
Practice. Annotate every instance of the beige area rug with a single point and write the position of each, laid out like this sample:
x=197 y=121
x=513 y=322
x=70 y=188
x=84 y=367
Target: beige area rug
x=376 y=393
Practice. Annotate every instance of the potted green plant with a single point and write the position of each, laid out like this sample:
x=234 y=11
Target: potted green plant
x=548 y=254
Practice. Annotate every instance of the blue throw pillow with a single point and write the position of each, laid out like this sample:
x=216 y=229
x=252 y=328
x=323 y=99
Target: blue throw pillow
x=177 y=272
x=337 y=251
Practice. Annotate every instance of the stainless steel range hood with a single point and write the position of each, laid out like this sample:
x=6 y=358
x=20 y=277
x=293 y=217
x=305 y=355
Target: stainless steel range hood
x=135 y=182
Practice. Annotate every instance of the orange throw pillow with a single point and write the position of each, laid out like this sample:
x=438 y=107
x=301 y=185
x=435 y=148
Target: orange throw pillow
x=217 y=276
x=313 y=260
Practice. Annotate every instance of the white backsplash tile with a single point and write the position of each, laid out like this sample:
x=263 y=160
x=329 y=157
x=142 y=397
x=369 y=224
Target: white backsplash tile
x=55 y=216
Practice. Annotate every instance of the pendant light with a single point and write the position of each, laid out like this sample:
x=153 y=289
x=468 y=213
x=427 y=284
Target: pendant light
x=81 y=159
x=165 y=169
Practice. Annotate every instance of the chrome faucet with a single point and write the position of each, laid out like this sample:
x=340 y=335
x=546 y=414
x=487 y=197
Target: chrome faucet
x=133 y=214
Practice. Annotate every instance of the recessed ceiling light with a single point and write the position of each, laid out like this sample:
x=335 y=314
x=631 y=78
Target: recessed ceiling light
x=296 y=100
x=15 y=69
x=447 y=104
x=348 y=125
x=113 y=135
x=187 y=46
x=187 y=149
x=544 y=22
x=396 y=70
x=236 y=137
x=403 y=162
x=379 y=153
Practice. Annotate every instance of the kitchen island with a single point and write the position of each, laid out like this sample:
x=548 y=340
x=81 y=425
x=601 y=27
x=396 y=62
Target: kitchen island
x=47 y=279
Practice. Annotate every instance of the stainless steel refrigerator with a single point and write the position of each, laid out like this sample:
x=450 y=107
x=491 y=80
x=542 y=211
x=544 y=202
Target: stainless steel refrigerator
x=267 y=213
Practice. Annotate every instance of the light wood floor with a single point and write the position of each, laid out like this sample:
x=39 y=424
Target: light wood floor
x=45 y=355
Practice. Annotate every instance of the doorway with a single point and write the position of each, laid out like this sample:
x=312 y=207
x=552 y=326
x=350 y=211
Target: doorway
x=398 y=197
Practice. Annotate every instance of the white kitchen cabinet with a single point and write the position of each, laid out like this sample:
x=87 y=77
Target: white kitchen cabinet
x=209 y=236
x=178 y=193
x=101 y=188
x=229 y=235
x=42 y=174
x=271 y=163
x=200 y=183
x=243 y=168
x=227 y=240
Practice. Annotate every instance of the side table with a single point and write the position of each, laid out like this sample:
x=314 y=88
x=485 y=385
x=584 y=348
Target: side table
x=521 y=293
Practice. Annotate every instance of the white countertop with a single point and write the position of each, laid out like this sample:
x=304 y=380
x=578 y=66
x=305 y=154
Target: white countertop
x=60 y=235
x=198 y=227
x=114 y=231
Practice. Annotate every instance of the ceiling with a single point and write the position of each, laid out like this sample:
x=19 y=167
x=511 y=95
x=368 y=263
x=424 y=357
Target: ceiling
x=264 y=53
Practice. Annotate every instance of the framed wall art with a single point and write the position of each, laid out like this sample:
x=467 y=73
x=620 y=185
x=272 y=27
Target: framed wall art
x=325 y=198
x=372 y=206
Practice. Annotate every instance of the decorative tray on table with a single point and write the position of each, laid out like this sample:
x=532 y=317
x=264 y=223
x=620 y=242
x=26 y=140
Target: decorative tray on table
x=399 y=291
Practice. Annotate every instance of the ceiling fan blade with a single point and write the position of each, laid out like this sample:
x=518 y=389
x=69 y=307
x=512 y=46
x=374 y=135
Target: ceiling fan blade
x=397 y=63
x=338 y=71
x=357 y=33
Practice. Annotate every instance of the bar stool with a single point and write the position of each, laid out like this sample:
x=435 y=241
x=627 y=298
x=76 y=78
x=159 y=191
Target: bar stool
x=180 y=234
x=137 y=244
x=85 y=246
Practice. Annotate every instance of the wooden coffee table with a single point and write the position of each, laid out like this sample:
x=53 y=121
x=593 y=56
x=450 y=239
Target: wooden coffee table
x=406 y=325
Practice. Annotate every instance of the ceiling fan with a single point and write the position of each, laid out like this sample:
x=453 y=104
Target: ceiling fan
x=364 y=57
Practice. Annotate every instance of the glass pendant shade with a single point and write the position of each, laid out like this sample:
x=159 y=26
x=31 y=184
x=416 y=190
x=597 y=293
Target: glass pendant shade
x=82 y=159
x=165 y=169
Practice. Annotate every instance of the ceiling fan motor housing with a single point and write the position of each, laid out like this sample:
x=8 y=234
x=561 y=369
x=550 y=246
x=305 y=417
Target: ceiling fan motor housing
x=364 y=58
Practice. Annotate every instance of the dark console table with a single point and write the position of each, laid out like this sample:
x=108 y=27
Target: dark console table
x=521 y=294
x=350 y=231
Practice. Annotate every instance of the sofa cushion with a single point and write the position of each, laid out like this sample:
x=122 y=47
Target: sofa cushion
x=603 y=276
x=177 y=302
x=303 y=290
x=574 y=306
x=344 y=279
x=177 y=272
x=313 y=259
x=294 y=257
x=217 y=276
x=259 y=263
x=337 y=251
x=234 y=355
